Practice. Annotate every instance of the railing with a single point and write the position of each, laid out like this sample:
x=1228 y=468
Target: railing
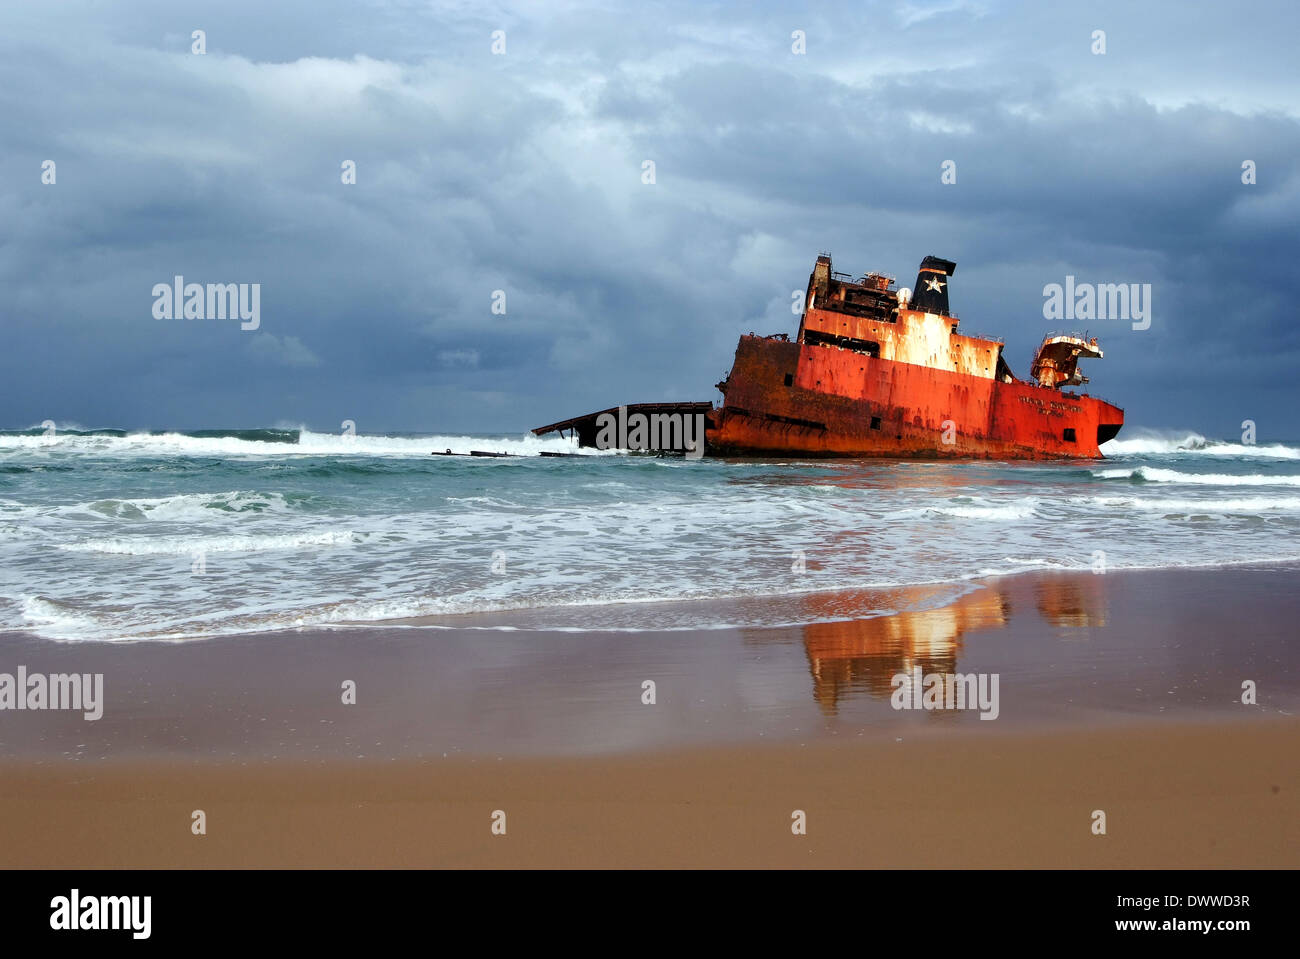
x=1089 y=396
x=1074 y=333
x=855 y=309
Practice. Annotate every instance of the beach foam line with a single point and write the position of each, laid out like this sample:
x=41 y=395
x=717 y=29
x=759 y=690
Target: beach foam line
x=623 y=614
x=188 y=545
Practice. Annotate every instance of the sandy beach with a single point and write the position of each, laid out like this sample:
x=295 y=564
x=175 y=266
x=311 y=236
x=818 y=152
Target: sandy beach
x=1120 y=693
x=1174 y=796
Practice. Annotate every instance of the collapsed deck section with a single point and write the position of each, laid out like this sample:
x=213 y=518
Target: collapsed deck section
x=587 y=428
x=1056 y=363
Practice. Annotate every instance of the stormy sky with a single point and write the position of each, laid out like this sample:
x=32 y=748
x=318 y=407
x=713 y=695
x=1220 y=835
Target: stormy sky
x=523 y=171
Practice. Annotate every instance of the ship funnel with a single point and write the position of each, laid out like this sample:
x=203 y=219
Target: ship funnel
x=931 y=293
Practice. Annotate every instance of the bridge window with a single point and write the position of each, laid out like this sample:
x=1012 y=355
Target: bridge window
x=817 y=338
x=1069 y=434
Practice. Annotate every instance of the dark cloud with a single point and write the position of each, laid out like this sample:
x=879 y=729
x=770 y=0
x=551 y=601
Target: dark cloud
x=523 y=173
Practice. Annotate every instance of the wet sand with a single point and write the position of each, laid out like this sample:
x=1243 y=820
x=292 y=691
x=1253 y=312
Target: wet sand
x=1174 y=796
x=1119 y=692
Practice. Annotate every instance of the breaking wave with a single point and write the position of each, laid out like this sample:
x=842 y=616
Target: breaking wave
x=1194 y=443
x=1152 y=474
x=982 y=510
x=1200 y=507
x=273 y=443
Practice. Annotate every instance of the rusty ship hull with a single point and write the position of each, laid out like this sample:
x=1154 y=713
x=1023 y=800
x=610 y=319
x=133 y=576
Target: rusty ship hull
x=875 y=371
x=795 y=399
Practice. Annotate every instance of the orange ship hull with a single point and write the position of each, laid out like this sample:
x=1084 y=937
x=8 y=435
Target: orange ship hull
x=800 y=399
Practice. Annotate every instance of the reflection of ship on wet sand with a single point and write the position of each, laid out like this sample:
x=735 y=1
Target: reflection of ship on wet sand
x=865 y=654
x=1077 y=602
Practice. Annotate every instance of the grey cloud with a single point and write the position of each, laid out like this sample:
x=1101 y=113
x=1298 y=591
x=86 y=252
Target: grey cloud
x=522 y=173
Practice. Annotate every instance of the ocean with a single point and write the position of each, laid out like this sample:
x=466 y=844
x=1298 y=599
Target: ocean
x=116 y=536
